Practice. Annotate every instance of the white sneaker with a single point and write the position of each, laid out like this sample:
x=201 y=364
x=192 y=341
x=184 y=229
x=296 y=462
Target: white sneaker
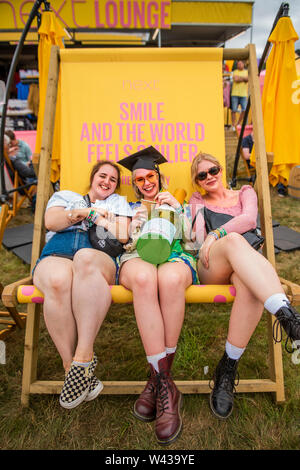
x=96 y=386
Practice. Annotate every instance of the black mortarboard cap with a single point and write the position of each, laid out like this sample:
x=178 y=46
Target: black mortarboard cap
x=148 y=159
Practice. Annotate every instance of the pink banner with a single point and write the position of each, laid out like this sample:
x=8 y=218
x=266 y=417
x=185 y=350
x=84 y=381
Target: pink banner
x=28 y=137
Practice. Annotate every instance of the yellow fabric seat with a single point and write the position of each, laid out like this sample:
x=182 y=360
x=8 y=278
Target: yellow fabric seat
x=121 y=295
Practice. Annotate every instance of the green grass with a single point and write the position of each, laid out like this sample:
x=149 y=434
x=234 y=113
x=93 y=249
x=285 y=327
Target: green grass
x=107 y=423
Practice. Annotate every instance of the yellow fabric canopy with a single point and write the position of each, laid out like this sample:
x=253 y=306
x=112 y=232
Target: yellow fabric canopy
x=116 y=101
x=50 y=33
x=281 y=113
x=297 y=60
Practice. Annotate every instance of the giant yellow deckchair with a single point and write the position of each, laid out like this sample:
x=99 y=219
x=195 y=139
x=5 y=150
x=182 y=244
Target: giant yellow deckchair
x=178 y=73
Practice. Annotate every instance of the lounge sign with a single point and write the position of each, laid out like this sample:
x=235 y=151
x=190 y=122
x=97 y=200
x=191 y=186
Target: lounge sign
x=91 y=14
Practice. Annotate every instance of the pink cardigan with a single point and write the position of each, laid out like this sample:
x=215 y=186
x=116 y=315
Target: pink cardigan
x=244 y=212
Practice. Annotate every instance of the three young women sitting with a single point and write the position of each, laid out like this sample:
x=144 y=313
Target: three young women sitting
x=75 y=280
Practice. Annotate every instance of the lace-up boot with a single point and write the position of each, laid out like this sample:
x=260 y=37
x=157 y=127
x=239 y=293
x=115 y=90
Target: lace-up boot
x=145 y=406
x=289 y=319
x=168 y=402
x=222 y=395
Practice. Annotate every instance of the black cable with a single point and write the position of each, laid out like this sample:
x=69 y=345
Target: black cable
x=34 y=12
x=283 y=11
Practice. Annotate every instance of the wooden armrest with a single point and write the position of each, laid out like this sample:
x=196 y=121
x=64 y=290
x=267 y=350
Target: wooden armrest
x=292 y=290
x=9 y=294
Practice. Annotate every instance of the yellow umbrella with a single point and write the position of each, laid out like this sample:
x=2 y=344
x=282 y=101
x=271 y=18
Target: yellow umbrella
x=51 y=33
x=281 y=113
x=297 y=59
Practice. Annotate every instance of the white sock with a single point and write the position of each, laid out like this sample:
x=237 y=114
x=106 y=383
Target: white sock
x=171 y=350
x=82 y=364
x=233 y=351
x=275 y=302
x=153 y=360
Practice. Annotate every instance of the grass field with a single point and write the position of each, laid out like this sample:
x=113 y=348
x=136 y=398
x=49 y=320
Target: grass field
x=257 y=422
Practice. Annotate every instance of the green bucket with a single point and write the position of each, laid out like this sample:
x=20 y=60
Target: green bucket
x=155 y=242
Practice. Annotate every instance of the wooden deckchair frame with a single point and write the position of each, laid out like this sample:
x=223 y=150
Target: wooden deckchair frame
x=10 y=318
x=31 y=385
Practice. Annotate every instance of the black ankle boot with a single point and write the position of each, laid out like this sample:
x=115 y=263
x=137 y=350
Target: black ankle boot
x=222 y=395
x=289 y=319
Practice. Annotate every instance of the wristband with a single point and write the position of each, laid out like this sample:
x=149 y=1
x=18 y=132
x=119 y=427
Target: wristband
x=214 y=234
x=91 y=217
x=179 y=210
x=223 y=232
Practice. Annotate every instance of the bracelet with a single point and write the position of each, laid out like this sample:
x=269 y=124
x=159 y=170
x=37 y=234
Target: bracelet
x=222 y=232
x=214 y=234
x=179 y=210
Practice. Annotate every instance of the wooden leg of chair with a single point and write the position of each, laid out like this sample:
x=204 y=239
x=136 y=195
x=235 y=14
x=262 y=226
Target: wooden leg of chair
x=275 y=362
x=30 y=351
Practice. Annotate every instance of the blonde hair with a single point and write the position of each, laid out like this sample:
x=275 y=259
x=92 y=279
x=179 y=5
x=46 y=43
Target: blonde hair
x=200 y=158
x=136 y=190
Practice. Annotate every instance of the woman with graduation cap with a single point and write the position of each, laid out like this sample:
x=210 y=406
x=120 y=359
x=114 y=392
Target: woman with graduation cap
x=158 y=299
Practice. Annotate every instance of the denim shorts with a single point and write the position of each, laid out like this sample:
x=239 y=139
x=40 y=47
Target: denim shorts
x=66 y=244
x=236 y=100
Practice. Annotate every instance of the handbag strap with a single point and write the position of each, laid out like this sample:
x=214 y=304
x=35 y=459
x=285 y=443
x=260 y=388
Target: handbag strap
x=194 y=219
x=86 y=197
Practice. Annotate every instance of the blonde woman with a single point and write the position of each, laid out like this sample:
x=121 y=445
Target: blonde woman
x=226 y=257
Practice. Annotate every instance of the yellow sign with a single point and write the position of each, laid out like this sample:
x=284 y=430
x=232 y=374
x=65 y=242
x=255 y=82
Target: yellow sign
x=118 y=101
x=91 y=14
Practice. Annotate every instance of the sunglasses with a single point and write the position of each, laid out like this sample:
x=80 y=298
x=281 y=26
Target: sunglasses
x=140 y=180
x=213 y=171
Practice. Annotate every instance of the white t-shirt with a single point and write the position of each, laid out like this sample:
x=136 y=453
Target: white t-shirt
x=114 y=203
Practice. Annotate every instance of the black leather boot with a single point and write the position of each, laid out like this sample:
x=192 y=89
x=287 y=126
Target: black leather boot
x=222 y=395
x=289 y=319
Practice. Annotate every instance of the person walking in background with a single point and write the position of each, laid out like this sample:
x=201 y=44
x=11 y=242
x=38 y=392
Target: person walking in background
x=239 y=93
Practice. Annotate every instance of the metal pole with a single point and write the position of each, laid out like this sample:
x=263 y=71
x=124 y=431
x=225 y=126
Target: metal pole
x=283 y=11
x=10 y=77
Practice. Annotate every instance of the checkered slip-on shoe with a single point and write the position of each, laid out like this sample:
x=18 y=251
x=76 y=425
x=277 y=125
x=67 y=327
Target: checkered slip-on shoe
x=96 y=386
x=76 y=385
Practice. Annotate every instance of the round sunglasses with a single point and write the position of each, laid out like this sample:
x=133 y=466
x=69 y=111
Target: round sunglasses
x=213 y=171
x=151 y=177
